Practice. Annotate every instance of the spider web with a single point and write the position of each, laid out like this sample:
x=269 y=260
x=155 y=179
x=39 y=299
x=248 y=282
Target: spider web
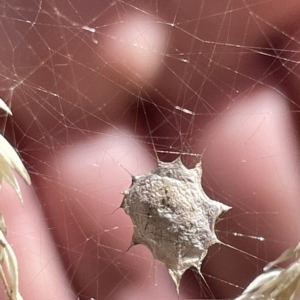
x=101 y=89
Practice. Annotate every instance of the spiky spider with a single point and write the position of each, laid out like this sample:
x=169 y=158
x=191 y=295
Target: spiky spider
x=173 y=216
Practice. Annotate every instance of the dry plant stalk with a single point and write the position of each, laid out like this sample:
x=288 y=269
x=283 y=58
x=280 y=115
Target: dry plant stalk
x=9 y=161
x=279 y=283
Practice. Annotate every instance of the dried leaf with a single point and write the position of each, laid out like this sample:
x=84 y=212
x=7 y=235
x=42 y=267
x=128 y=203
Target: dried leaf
x=9 y=160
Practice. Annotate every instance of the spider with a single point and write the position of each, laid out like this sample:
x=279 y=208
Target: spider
x=173 y=216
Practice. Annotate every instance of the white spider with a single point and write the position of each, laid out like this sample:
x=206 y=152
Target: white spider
x=173 y=216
